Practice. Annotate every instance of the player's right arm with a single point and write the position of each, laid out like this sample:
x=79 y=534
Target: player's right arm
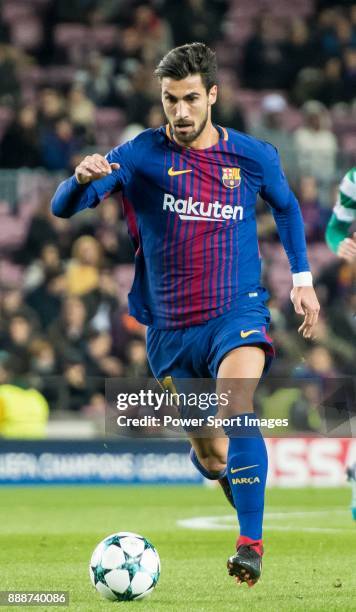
x=95 y=178
x=344 y=214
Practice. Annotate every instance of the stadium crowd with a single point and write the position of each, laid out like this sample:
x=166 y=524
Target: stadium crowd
x=76 y=77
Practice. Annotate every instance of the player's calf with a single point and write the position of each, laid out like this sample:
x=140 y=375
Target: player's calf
x=214 y=471
x=225 y=485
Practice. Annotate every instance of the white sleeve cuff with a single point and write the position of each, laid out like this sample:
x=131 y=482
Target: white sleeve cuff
x=302 y=279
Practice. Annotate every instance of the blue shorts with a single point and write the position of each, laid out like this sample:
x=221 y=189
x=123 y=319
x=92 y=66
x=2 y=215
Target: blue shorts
x=197 y=351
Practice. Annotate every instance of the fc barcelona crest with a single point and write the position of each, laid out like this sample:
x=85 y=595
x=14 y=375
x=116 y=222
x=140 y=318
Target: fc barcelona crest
x=231 y=177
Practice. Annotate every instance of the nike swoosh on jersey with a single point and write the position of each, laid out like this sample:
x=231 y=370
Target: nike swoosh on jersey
x=246 y=467
x=172 y=172
x=246 y=334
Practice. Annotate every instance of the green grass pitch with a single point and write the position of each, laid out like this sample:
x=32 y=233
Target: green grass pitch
x=48 y=534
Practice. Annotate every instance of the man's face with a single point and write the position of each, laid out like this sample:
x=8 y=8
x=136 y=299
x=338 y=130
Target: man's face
x=186 y=104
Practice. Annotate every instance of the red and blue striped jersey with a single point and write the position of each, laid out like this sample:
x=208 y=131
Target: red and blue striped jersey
x=191 y=214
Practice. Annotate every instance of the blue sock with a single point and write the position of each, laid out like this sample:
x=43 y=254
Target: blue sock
x=209 y=475
x=247 y=465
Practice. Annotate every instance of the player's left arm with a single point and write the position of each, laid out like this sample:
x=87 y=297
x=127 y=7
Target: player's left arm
x=286 y=211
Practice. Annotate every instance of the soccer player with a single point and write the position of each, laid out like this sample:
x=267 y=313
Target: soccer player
x=189 y=193
x=344 y=214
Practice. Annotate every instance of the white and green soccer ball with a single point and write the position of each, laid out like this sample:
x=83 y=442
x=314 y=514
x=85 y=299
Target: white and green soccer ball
x=124 y=566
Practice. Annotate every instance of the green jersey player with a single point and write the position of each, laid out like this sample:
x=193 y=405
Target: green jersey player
x=344 y=214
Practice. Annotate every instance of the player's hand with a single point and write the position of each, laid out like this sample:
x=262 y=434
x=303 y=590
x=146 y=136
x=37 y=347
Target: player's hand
x=347 y=249
x=93 y=167
x=306 y=303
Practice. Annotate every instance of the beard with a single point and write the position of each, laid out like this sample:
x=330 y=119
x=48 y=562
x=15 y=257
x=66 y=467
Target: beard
x=189 y=137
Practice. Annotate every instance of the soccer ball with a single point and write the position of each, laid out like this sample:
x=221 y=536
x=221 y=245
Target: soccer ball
x=124 y=566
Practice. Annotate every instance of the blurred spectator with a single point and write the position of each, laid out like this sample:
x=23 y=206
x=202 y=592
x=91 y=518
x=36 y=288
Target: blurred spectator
x=338 y=35
x=316 y=144
x=318 y=364
x=307 y=85
x=341 y=346
x=271 y=128
x=41 y=231
x=193 y=20
x=12 y=304
x=140 y=100
x=100 y=361
x=109 y=11
x=9 y=83
x=289 y=348
x=82 y=274
x=4 y=32
x=51 y=107
x=130 y=54
x=21 y=331
x=319 y=380
x=153 y=31
x=137 y=359
x=102 y=303
x=97 y=80
x=68 y=333
x=226 y=112
x=43 y=358
x=130 y=132
x=76 y=389
x=9 y=368
x=96 y=409
x=332 y=87
x=155 y=117
x=59 y=144
x=81 y=112
x=125 y=329
x=266 y=226
x=112 y=235
x=75 y=10
x=20 y=143
x=303 y=413
x=301 y=49
x=349 y=73
x=265 y=63
x=65 y=234
x=342 y=318
x=335 y=282
x=44 y=370
x=315 y=217
x=46 y=298
x=49 y=263
x=325 y=21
